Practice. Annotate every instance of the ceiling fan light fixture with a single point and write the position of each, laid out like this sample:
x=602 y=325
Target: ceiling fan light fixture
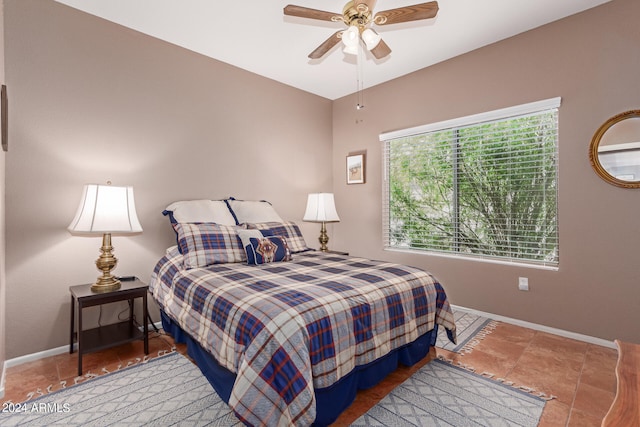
x=350 y=40
x=351 y=50
x=350 y=36
x=371 y=38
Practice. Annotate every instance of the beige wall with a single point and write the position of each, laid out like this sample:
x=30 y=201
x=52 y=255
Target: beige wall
x=592 y=61
x=92 y=101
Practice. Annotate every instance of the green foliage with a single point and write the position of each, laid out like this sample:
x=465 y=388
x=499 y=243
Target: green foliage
x=488 y=189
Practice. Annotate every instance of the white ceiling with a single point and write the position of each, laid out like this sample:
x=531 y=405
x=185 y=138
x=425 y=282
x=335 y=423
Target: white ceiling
x=256 y=36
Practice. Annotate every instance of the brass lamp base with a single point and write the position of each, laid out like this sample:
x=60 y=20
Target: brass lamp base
x=105 y=263
x=324 y=238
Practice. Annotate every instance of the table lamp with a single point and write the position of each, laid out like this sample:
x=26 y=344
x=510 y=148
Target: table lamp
x=106 y=210
x=321 y=208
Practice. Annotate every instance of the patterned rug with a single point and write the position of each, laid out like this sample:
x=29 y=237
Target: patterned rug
x=164 y=391
x=170 y=390
x=470 y=329
x=440 y=394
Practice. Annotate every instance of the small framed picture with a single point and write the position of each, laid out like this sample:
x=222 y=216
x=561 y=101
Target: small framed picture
x=356 y=168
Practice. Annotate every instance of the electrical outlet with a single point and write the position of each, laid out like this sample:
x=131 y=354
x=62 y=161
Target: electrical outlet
x=523 y=283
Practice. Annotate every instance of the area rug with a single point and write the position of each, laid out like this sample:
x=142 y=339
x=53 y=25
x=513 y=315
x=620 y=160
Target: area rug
x=440 y=394
x=170 y=390
x=167 y=390
x=470 y=329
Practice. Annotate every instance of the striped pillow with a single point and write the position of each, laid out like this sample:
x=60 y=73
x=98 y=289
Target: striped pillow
x=208 y=243
x=286 y=229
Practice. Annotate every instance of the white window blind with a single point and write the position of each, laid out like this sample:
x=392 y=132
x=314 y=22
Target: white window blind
x=482 y=186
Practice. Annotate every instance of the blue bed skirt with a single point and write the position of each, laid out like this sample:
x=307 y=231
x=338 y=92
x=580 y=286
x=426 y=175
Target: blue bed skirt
x=330 y=401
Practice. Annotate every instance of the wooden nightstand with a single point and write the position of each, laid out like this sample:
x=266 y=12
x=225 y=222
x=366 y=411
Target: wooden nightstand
x=107 y=336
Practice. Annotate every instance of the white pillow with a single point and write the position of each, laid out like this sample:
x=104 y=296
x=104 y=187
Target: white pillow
x=253 y=211
x=200 y=211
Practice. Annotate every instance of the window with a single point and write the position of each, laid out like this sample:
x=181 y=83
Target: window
x=482 y=186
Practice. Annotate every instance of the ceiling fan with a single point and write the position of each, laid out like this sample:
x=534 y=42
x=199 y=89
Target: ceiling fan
x=358 y=16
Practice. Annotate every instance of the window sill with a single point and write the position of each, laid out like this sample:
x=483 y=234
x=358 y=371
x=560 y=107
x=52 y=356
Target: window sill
x=518 y=264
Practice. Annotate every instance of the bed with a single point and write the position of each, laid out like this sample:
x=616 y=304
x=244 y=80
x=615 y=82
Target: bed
x=287 y=335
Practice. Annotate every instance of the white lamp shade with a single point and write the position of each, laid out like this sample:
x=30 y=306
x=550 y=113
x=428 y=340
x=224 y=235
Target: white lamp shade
x=351 y=50
x=321 y=208
x=106 y=209
x=370 y=38
x=350 y=36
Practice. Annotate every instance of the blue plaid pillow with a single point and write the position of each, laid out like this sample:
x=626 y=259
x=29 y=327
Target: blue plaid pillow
x=208 y=243
x=199 y=211
x=288 y=230
x=267 y=249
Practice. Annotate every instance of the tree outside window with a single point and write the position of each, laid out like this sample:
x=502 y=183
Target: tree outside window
x=484 y=190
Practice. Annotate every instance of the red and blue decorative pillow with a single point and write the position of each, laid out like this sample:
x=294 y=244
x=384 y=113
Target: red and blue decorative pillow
x=262 y=248
x=267 y=249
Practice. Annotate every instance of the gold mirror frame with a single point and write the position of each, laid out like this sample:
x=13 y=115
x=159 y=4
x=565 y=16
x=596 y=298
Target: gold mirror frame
x=595 y=143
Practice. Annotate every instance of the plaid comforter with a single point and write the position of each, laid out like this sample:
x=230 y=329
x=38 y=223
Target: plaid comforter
x=287 y=328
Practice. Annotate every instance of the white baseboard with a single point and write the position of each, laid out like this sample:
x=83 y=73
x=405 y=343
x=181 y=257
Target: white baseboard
x=51 y=352
x=537 y=327
x=37 y=356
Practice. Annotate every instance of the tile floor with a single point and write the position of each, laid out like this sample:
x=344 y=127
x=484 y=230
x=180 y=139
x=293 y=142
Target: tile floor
x=581 y=375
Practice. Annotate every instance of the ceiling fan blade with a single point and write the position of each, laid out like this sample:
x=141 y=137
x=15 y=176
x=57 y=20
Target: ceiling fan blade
x=326 y=46
x=381 y=50
x=305 y=12
x=407 y=13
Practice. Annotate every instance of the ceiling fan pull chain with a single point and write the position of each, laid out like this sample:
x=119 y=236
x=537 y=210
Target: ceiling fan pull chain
x=359 y=78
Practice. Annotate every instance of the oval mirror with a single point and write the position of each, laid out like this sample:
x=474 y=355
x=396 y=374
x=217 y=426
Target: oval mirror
x=614 y=152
